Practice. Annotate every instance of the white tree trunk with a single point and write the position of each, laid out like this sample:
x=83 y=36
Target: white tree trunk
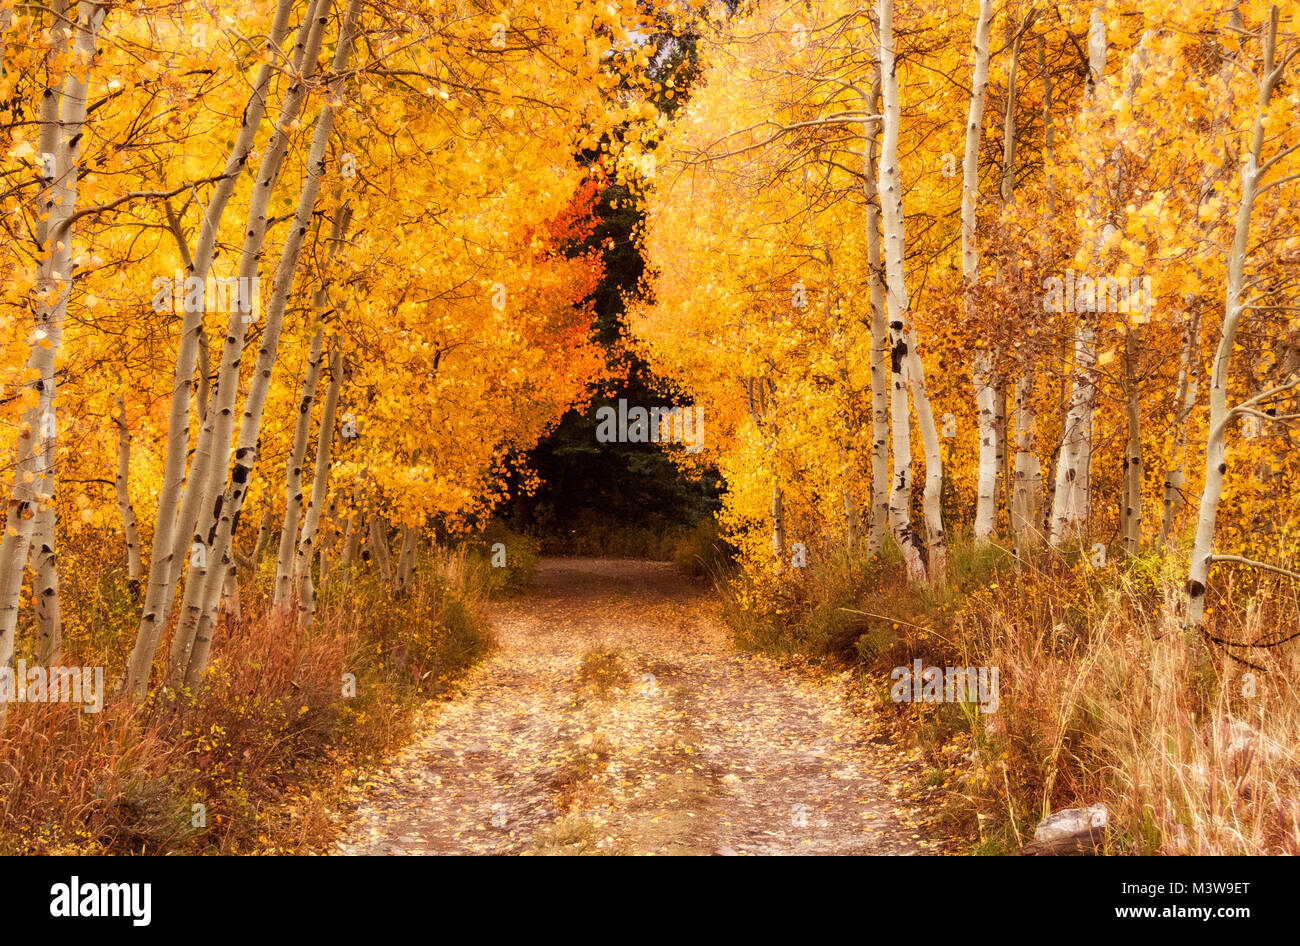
x=202 y=506
x=1070 y=502
x=406 y=556
x=293 y=475
x=285 y=565
x=905 y=358
x=122 y=488
x=304 y=590
x=169 y=535
x=1185 y=401
x=255 y=402
x=986 y=499
x=1028 y=488
x=62 y=115
x=379 y=550
x=1220 y=415
x=1131 y=509
x=45 y=589
x=880 y=349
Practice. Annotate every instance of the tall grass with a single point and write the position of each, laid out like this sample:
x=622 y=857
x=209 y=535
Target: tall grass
x=1103 y=695
x=254 y=760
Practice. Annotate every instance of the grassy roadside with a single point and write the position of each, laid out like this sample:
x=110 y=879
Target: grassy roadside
x=1190 y=742
x=260 y=756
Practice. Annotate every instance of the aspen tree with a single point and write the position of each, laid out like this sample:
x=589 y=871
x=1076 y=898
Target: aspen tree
x=986 y=502
x=199 y=625
x=1070 y=500
x=1185 y=402
x=201 y=505
x=293 y=473
x=62 y=114
x=907 y=371
x=1027 y=489
x=1222 y=415
x=170 y=537
x=122 y=490
x=879 y=324
x=302 y=582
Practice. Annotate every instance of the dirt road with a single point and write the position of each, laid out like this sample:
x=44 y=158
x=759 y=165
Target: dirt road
x=615 y=717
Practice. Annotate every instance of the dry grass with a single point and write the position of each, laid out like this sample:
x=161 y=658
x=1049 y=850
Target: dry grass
x=1103 y=695
x=1106 y=698
x=265 y=746
x=603 y=671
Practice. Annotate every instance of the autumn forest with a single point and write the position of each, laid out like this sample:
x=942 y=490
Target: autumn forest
x=624 y=427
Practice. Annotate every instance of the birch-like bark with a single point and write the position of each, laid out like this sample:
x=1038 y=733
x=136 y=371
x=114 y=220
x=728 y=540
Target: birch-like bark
x=1070 y=502
x=284 y=583
x=305 y=591
x=848 y=477
x=986 y=497
x=379 y=550
x=230 y=593
x=1027 y=487
x=169 y=534
x=353 y=534
x=45 y=589
x=1131 y=499
x=1184 y=401
x=29 y=511
x=1220 y=415
x=62 y=115
x=202 y=506
x=193 y=624
x=263 y=538
x=878 y=528
x=907 y=371
x=122 y=488
x=1131 y=511
x=406 y=556
x=293 y=474
x=6 y=23
x=1007 y=191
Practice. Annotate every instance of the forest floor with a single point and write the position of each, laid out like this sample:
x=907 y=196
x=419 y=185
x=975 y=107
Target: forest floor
x=616 y=717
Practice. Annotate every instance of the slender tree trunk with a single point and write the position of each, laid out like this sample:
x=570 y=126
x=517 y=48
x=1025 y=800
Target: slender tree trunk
x=305 y=591
x=62 y=115
x=1220 y=415
x=848 y=473
x=255 y=402
x=352 y=532
x=1131 y=519
x=1007 y=192
x=905 y=358
x=1185 y=401
x=203 y=504
x=293 y=474
x=379 y=547
x=121 y=485
x=230 y=593
x=1026 y=503
x=406 y=557
x=169 y=533
x=880 y=347
x=986 y=500
x=49 y=617
x=263 y=538
x=1028 y=487
x=1070 y=501
x=285 y=567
